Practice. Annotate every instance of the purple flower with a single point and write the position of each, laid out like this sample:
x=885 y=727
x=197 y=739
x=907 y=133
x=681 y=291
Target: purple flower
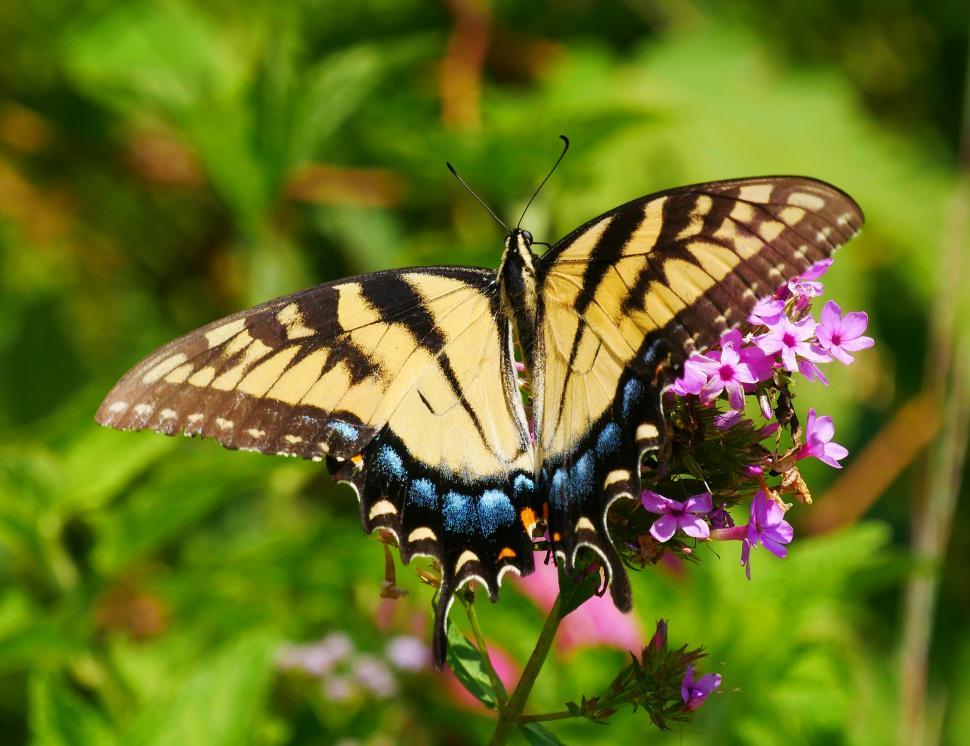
x=659 y=640
x=839 y=335
x=316 y=659
x=693 y=378
x=766 y=526
x=817 y=270
x=819 y=432
x=727 y=373
x=811 y=371
x=791 y=340
x=720 y=518
x=695 y=693
x=767 y=311
x=408 y=653
x=727 y=420
x=374 y=675
x=676 y=515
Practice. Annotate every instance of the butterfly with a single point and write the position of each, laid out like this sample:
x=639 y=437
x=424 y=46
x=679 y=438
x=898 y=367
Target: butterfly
x=405 y=381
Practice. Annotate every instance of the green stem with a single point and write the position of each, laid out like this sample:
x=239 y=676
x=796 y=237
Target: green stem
x=497 y=686
x=563 y=715
x=512 y=712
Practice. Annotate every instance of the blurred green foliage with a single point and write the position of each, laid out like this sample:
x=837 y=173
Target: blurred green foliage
x=164 y=163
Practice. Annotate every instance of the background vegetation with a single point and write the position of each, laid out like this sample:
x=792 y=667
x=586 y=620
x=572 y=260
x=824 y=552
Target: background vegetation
x=165 y=163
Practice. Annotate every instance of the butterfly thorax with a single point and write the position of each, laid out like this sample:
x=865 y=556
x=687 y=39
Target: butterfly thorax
x=518 y=288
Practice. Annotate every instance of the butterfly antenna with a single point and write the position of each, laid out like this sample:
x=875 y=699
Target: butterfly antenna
x=562 y=155
x=477 y=198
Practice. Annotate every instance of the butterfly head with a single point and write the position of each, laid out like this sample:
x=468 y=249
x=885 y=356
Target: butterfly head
x=518 y=256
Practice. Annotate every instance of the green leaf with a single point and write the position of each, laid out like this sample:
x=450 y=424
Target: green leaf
x=538 y=735
x=466 y=663
x=218 y=704
x=575 y=594
x=59 y=717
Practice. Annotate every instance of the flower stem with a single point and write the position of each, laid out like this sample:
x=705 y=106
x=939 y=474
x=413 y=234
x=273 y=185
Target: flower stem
x=512 y=712
x=497 y=686
x=562 y=715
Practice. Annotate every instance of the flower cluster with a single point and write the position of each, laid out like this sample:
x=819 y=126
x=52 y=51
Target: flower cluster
x=344 y=673
x=781 y=339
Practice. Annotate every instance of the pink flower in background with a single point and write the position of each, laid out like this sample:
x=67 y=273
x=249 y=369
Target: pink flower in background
x=695 y=693
x=819 y=432
x=839 y=335
x=596 y=622
x=504 y=665
x=674 y=515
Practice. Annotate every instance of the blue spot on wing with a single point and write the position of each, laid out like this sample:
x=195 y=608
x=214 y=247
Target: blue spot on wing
x=459 y=512
x=581 y=477
x=345 y=430
x=609 y=439
x=632 y=394
x=556 y=487
x=422 y=493
x=495 y=510
x=389 y=463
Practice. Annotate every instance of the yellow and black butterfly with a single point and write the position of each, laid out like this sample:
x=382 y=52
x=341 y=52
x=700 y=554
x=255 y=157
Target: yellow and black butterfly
x=405 y=381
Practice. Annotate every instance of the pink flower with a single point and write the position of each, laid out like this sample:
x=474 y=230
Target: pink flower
x=819 y=432
x=675 y=515
x=695 y=693
x=839 y=335
x=596 y=622
x=792 y=341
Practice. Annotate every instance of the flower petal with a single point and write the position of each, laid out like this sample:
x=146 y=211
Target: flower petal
x=663 y=528
x=841 y=355
x=694 y=527
x=824 y=429
x=854 y=324
x=700 y=503
x=831 y=316
x=655 y=502
x=858 y=343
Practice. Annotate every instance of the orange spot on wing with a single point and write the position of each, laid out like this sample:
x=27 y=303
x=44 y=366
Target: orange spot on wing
x=528 y=517
x=357 y=460
x=556 y=536
x=506 y=553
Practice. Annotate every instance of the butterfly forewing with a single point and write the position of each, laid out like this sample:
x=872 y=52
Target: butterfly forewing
x=627 y=297
x=403 y=380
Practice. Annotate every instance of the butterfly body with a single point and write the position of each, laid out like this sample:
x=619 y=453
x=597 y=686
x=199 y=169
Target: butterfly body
x=519 y=290
x=405 y=381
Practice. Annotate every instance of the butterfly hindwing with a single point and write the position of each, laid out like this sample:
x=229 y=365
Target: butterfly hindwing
x=403 y=380
x=626 y=298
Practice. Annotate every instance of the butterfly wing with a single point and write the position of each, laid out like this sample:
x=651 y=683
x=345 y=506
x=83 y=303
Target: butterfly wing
x=626 y=298
x=403 y=380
